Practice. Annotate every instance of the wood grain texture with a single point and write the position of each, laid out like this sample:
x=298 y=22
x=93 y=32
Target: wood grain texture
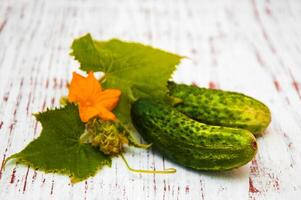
x=249 y=46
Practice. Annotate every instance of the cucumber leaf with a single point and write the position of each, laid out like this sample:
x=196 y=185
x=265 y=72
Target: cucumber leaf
x=58 y=149
x=137 y=70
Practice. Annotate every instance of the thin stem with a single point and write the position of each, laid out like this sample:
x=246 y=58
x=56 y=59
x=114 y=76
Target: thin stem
x=166 y=171
x=130 y=95
x=174 y=100
x=132 y=139
x=84 y=138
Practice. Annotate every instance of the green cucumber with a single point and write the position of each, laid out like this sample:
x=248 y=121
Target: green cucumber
x=223 y=108
x=191 y=143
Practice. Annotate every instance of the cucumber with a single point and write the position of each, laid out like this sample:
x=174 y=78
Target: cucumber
x=223 y=108
x=191 y=143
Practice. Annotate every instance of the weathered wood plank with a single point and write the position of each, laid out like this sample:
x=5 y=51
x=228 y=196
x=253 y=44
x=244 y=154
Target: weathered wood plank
x=250 y=46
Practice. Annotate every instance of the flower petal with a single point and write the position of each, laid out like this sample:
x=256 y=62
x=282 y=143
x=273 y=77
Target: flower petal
x=105 y=114
x=109 y=98
x=83 y=88
x=87 y=112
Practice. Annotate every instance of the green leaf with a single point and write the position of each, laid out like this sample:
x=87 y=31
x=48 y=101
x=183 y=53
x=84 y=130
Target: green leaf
x=137 y=70
x=58 y=149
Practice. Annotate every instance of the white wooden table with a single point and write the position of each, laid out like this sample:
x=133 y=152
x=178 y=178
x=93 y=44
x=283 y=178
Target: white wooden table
x=250 y=46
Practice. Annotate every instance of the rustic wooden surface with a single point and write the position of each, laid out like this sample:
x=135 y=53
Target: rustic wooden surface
x=249 y=46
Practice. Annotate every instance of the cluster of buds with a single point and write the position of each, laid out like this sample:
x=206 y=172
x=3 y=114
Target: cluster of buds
x=108 y=136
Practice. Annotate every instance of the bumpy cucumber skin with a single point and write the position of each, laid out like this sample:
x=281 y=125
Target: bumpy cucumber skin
x=222 y=108
x=191 y=143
